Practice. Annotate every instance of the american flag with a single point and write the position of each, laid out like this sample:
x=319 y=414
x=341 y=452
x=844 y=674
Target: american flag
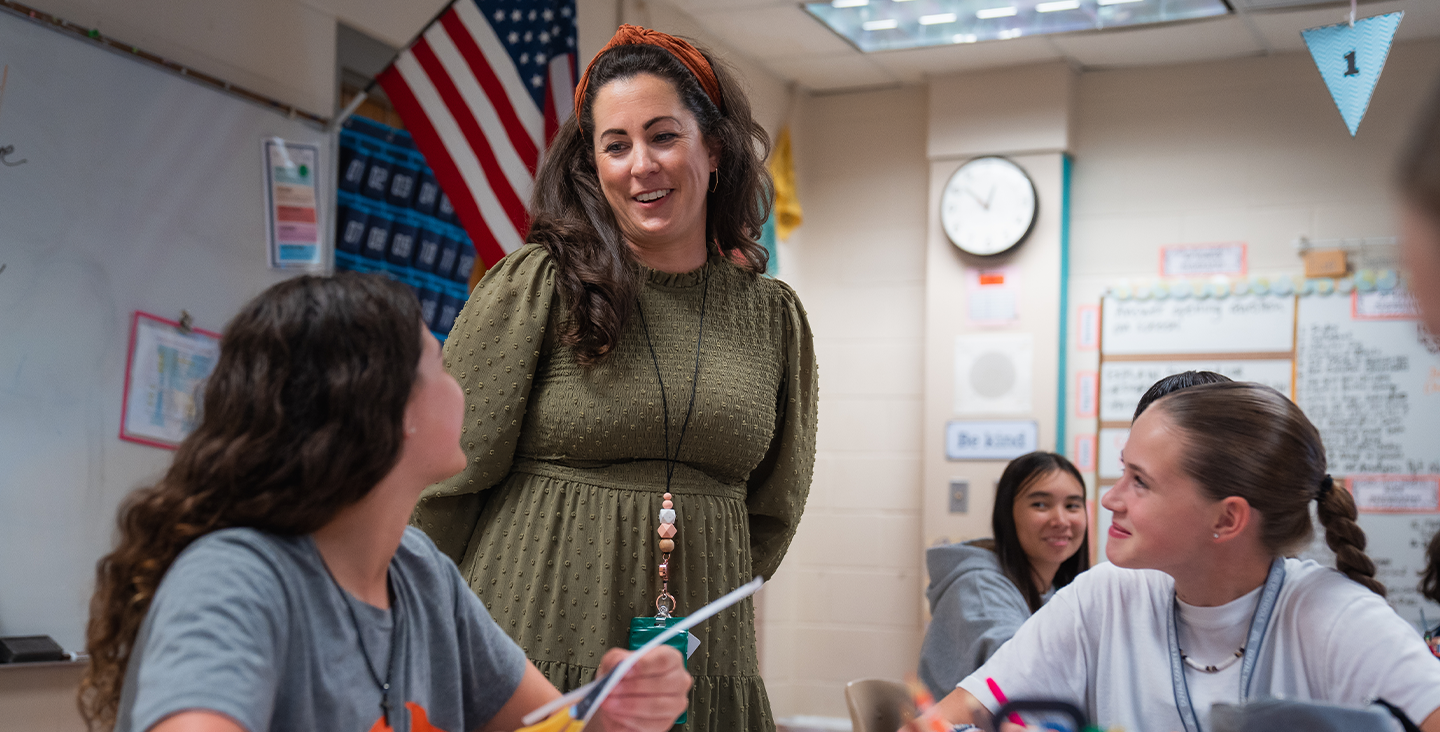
x=482 y=91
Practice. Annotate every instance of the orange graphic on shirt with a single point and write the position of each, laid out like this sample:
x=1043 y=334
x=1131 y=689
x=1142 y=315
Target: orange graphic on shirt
x=419 y=722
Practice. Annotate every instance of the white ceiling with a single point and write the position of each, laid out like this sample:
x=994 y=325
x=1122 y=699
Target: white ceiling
x=796 y=47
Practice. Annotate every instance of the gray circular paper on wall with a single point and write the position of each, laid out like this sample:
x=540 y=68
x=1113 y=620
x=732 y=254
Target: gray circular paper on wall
x=992 y=375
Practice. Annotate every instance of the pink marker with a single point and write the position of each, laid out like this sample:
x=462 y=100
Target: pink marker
x=1000 y=697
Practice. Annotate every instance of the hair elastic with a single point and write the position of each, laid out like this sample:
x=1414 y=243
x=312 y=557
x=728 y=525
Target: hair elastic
x=682 y=50
x=1326 y=485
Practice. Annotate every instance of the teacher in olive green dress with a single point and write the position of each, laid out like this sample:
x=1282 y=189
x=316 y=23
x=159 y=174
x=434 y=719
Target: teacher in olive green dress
x=632 y=349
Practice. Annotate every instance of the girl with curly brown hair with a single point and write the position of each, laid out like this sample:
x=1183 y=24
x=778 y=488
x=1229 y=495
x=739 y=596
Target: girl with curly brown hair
x=269 y=580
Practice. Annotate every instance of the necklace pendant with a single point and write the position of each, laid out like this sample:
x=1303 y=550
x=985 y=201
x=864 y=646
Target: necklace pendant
x=1217 y=668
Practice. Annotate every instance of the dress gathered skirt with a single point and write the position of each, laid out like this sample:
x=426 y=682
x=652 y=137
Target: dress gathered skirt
x=553 y=522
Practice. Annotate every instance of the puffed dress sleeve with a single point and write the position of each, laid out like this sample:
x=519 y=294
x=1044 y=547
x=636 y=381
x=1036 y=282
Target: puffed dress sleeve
x=779 y=485
x=493 y=350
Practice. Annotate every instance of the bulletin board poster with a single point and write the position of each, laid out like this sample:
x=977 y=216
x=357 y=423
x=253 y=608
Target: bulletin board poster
x=164 y=374
x=292 y=208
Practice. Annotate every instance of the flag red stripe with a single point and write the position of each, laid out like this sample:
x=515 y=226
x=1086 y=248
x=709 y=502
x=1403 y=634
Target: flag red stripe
x=470 y=50
x=445 y=86
x=552 y=124
x=427 y=140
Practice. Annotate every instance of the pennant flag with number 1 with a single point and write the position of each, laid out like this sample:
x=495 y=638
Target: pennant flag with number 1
x=1350 y=58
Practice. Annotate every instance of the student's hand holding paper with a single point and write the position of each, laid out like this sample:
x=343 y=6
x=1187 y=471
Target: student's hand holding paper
x=649 y=697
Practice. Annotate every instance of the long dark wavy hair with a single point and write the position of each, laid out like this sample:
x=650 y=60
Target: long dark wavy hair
x=1248 y=440
x=303 y=415
x=597 y=275
x=1019 y=475
x=1420 y=184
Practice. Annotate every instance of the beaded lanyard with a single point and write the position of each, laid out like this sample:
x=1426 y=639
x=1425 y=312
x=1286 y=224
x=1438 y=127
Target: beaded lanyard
x=665 y=602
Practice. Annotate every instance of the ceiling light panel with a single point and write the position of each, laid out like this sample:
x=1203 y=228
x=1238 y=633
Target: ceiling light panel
x=882 y=25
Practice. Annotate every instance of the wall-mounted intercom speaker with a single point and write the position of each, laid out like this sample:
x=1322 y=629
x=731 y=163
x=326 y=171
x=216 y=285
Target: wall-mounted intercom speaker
x=993 y=373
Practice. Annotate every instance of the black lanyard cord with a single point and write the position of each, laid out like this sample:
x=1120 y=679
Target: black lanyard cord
x=694 y=381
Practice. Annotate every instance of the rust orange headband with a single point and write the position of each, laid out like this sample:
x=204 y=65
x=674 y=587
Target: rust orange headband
x=634 y=35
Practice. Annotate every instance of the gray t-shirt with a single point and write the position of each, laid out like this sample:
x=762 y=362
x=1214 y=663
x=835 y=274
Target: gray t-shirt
x=250 y=625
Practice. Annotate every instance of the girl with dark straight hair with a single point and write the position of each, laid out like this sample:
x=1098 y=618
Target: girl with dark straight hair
x=1202 y=601
x=981 y=591
x=269 y=581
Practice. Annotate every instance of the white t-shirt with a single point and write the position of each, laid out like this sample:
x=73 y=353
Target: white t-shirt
x=1103 y=642
x=1210 y=636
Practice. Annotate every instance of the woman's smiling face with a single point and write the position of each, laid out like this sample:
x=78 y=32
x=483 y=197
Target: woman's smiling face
x=653 y=161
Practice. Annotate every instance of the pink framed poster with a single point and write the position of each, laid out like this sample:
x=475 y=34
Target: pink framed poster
x=1190 y=260
x=1087 y=393
x=165 y=369
x=1084 y=453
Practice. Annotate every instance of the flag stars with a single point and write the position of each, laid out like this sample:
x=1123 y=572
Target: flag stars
x=499 y=16
x=539 y=58
x=565 y=11
x=532 y=15
x=513 y=38
x=524 y=58
x=544 y=37
x=516 y=16
x=548 y=15
x=529 y=36
x=537 y=81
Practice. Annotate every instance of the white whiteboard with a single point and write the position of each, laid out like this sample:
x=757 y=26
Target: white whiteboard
x=1396 y=543
x=1122 y=383
x=142 y=190
x=1110 y=442
x=1372 y=388
x=1242 y=324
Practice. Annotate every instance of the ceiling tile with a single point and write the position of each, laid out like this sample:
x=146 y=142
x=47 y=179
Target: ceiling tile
x=1281 y=30
x=698 y=7
x=770 y=32
x=851 y=70
x=1181 y=42
x=918 y=63
x=783 y=37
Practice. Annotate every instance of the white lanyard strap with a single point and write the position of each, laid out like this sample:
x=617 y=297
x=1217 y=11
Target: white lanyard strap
x=1258 y=624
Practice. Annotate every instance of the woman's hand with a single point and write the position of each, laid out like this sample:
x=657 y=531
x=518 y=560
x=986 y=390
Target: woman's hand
x=650 y=697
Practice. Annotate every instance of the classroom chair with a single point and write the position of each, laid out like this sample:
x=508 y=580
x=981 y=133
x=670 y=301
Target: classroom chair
x=878 y=705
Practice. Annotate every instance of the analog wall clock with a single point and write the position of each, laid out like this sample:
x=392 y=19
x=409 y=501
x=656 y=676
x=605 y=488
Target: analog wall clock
x=988 y=206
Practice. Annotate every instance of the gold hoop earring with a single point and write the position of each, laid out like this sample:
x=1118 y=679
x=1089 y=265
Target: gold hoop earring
x=714 y=179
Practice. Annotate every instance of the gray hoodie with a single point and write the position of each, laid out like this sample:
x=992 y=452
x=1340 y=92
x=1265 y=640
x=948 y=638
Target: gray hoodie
x=974 y=608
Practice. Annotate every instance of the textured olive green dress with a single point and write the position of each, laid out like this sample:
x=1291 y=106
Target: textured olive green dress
x=554 y=522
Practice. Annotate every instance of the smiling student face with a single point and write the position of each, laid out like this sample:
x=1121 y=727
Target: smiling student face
x=1050 y=520
x=654 y=163
x=1161 y=518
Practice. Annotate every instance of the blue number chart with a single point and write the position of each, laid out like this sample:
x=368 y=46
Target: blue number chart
x=392 y=217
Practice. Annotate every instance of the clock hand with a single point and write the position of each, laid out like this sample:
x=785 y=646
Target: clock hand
x=985 y=204
x=989 y=198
